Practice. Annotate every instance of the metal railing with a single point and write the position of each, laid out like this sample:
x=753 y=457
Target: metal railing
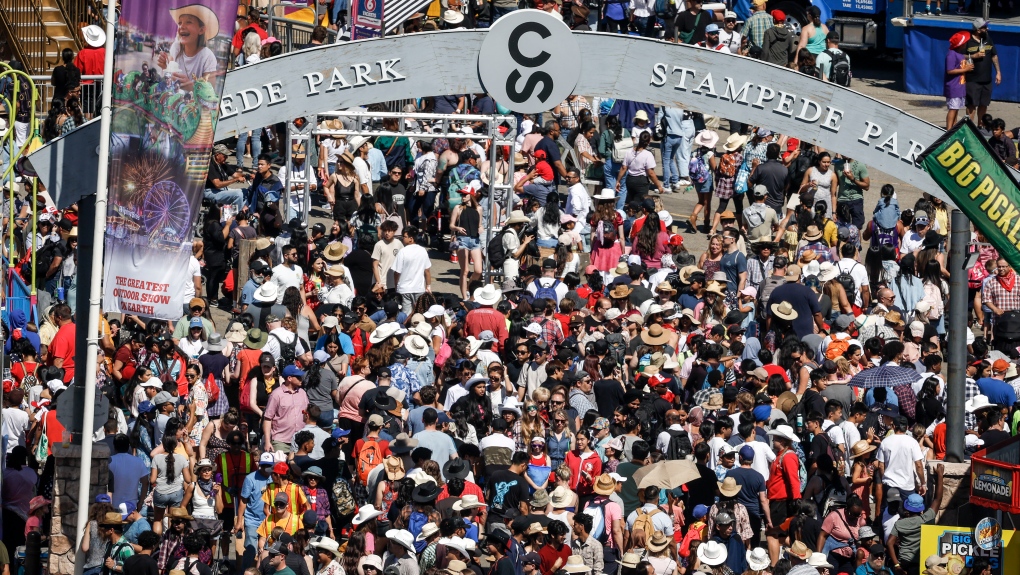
x=28 y=32
x=89 y=92
x=294 y=34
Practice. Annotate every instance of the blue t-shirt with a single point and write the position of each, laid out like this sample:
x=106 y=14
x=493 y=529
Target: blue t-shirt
x=251 y=491
x=751 y=484
x=998 y=392
x=248 y=292
x=733 y=264
x=136 y=529
x=689 y=301
x=128 y=471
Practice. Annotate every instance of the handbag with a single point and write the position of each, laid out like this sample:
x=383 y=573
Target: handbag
x=42 y=449
x=740 y=182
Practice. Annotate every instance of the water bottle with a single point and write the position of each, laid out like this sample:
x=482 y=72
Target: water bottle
x=60 y=293
x=800 y=424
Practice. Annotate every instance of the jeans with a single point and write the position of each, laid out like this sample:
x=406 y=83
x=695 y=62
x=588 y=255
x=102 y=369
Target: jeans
x=256 y=147
x=539 y=191
x=684 y=153
x=225 y=196
x=251 y=542
x=670 y=146
x=851 y=211
x=585 y=230
x=645 y=25
x=611 y=168
x=426 y=204
x=498 y=12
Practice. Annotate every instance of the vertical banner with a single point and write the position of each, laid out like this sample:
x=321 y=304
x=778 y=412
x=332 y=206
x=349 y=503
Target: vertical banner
x=962 y=164
x=168 y=76
x=366 y=19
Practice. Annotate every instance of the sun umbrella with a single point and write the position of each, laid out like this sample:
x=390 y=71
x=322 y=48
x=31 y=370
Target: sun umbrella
x=888 y=375
x=667 y=474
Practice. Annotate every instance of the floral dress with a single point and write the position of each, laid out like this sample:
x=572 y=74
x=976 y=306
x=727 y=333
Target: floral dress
x=199 y=397
x=605 y=257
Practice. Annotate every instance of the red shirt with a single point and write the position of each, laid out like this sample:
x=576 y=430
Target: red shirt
x=784 y=478
x=469 y=489
x=62 y=347
x=383 y=445
x=774 y=369
x=487 y=318
x=638 y=223
x=90 y=61
x=549 y=557
x=237 y=42
x=54 y=429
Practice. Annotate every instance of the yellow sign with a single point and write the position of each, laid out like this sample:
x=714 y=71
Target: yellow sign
x=958 y=545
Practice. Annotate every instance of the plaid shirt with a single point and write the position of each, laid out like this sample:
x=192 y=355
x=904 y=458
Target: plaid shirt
x=970 y=391
x=591 y=553
x=821 y=250
x=701 y=396
x=992 y=292
x=552 y=333
x=568 y=121
x=171 y=548
x=756 y=26
x=758 y=270
x=907 y=400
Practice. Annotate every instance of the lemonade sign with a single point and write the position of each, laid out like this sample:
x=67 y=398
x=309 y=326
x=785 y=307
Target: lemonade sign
x=960 y=546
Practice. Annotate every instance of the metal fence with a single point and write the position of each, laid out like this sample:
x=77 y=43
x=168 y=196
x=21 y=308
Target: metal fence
x=90 y=92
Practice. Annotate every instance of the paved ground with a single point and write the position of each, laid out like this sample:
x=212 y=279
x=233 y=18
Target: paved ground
x=876 y=77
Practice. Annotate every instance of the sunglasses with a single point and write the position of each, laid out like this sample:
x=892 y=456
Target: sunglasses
x=561 y=421
x=532 y=408
x=557 y=402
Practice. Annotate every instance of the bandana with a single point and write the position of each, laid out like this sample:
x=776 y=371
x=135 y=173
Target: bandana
x=1007 y=282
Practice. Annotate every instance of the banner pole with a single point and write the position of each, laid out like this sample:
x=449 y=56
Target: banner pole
x=493 y=158
x=957 y=348
x=95 y=274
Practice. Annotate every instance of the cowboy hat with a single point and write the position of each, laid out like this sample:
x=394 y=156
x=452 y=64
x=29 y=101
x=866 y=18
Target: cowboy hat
x=977 y=403
x=605 y=195
x=517 y=217
x=785 y=432
x=707 y=138
x=403 y=444
x=561 y=497
x=334 y=252
x=712 y=553
x=468 y=502
x=94 y=35
x=365 y=514
x=817 y=560
x=575 y=564
x=355 y=143
x=456 y=469
x=630 y=560
x=715 y=401
x=427 y=530
x=686 y=272
x=417 y=345
x=455 y=567
x=383 y=332
x=716 y=288
x=519 y=159
x=800 y=550
x=784 y=310
x=488 y=294
x=757 y=559
x=347 y=157
x=512 y=405
x=370 y=561
x=535 y=528
x=658 y=541
x=812 y=233
x=395 y=468
x=665 y=286
x=734 y=141
x=112 y=518
x=861 y=447
x=256 y=338
x=403 y=538
x=808 y=256
x=827 y=271
x=37 y=502
x=267 y=293
x=326 y=544
x=729 y=487
x=202 y=13
x=641 y=115
x=604 y=485
x=180 y=513
x=655 y=335
x=620 y=292
x=621 y=269
x=452 y=17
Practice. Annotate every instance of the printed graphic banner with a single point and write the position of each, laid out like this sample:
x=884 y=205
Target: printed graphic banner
x=366 y=19
x=168 y=76
x=962 y=164
x=958 y=545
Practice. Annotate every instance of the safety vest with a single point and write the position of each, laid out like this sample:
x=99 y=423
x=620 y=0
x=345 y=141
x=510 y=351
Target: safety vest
x=249 y=464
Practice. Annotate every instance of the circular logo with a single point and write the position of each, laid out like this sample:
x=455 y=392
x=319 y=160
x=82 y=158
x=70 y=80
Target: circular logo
x=988 y=533
x=529 y=61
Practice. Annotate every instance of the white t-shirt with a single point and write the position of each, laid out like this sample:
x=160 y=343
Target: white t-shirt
x=385 y=254
x=899 y=452
x=851 y=435
x=15 y=426
x=411 y=263
x=194 y=271
x=763 y=457
x=912 y=242
x=730 y=39
x=287 y=337
x=714 y=445
x=193 y=66
x=362 y=170
x=859 y=273
x=285 y=277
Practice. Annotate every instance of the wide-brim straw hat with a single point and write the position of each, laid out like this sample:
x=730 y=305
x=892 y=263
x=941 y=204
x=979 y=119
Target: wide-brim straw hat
x=734 y=141
x=784 y=310
x=655 y=335
x=658 y=542
x=604 y=485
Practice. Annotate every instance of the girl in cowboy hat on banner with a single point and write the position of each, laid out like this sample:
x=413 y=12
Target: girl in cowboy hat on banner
x=189 y=57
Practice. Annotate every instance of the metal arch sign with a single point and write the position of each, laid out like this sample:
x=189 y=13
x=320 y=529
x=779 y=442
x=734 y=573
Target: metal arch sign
x=345 y=75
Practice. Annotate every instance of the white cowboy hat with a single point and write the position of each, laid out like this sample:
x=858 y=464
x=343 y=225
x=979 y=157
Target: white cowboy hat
x=512 y=405
x=267 y=293
x=827 y=271
x=488 y=294
x=474 y=345
x=94 y=35
x=355 y=143
x=452 y=17
x=575 y=564
x=517 y=217
x=456 y=543
x=403 y=538
x=734 y=141
x=416 y=344
x=366 y=513
x=428 y=530
x=784 y=431
x=818 y=560
x=757 y=559
x=666 y=218
x=605 y=194
x=206 y=15
x=712 y=553
x=707 y=138
x=327 y=544
x=978 y=403
x=468 y=502
x=383 y=332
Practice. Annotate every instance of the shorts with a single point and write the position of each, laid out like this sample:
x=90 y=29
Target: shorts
x=956 y=103
x=165 y=500
x=978 y=94
x=469 y=244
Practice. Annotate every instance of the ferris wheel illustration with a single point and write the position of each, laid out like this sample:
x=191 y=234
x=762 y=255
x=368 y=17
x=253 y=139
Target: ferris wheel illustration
x=166 y=212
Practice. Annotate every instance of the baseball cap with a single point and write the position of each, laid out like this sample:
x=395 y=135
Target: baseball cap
x=195 y=322
x=700 y=510
x=281 y=468
x=267 y=459
x=548 y=264
x=293 y=370
x=729 y=15
x=712 y=29
x=747 y=452
x=1000 y=365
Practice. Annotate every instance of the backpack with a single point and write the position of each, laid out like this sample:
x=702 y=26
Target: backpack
x=679 y=445
x=698 y=169
x=884 y=236
x=651 y=426
x=599 y=529
x=1007 y=326
x=495 y=251
x=44 y=257
x=621 y=148
x=837 y=348
x=839 y=69
x=643 y=528
x=665 y=9
x=617 y=347
x=288 y=352
x=369 y=458
x=548 y=293
x=833 y=451
x=847 y=281
x=729 y=164
x=212 y=388
x=606 y=233
x=343 y=498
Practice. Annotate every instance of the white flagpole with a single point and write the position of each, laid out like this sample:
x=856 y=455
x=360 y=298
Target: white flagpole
x=95 y=290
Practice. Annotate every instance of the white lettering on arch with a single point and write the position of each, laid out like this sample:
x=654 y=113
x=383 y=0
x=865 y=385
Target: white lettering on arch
x=832 y=119
x=785 y=107
x=658 y=75
x=361 y=74
x=815 y=114
x=387 y=73
x=736 y=96
x=707 y=86
x=314 y=79
x=889 y=145
x=765 y=94
x=683 y=76
x=871 y=131
x=337 y=81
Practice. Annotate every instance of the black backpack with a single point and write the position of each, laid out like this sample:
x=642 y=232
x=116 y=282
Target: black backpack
x=288 y=352
x=1007 y=326
x=679 y=445
x=650 y=424
x=43 y=259
x=839 y=68
x=495 y=251
x=847 y=281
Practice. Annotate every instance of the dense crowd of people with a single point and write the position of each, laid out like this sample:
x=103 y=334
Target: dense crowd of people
x=605 y=401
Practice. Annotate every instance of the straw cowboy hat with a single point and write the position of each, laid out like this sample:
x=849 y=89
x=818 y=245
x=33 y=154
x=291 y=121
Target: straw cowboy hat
x=604 y=485
x=575 y=564
x=784 y=310
x=94 y=35
x=800 y=550
x=734 y=141
x=468 y=502
x=686 y=272
x=728 y=486
x=655 y=335
x=658 y=542
x=112 y=518
x=207 y=16
x=326 y=544
x=334 y=252
x=180 y=513
x=716 y=288
x=517 y=217
x=417 y=345
x=712 y=553
x=715 y=401
x=861 y=447
x=620 y=292
x=707 y=138
x=427 y=530
x=488 y=295
x=394 y=468
x=812 y=234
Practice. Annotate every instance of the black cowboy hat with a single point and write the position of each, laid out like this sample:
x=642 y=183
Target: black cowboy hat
x=456 y=468
x=384 y=402
x=425 y=493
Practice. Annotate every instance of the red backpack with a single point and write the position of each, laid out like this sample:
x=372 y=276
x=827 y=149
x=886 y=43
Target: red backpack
x=369 y=458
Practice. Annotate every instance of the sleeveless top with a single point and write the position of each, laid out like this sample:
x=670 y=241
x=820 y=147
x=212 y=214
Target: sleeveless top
x=816 y=43
x=388 y=497
x=344 y=192
x=469 y=220
x=558 y=448
x=302 y=326
x=562 y=516
x=204 y=507
x=712 y=266
x=216 y=445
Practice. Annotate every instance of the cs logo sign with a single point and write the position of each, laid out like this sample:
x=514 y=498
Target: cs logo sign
x=529 y=61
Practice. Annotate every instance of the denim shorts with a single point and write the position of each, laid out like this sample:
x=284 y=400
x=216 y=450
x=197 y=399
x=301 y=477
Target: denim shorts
x=162 y=501
x=469 y=244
